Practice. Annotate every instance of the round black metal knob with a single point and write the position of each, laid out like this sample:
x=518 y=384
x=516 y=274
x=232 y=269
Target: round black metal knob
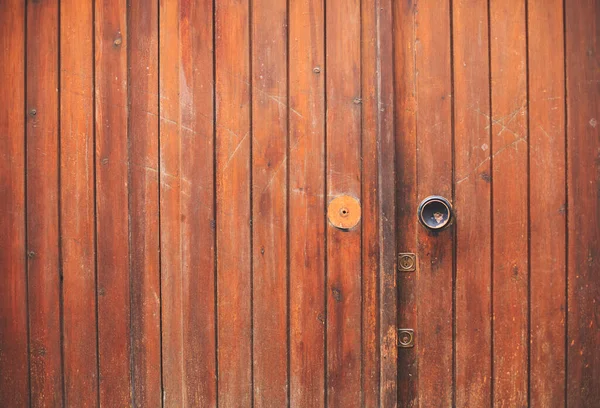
x=435 y=213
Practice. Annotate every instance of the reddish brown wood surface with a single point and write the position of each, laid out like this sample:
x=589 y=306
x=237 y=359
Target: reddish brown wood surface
x=434 y=172
x=144 y=211
x=42 y=194
x=171 y=89
x=306 y=203
x=547 y=206
x=369 y=212
x=269 y=202
x=343 y=168
x=14 y=377
x=405 y=126
x=384 y=234
x=472 y=192
x=112 y=203
x=167 y=170
x=234 y=208
x=583 y=144
x=77 y=222
x=197 y=203
x=510 y=200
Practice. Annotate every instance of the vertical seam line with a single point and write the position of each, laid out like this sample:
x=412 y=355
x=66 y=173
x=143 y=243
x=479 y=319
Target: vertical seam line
x=491 y=139
x=326 y=198
x=94 y=103
x=25 y=139
x=215 y=200
x=251 y=195
x=159 y=167
x=453 y=188
x=566 y=197
x=528 y=130
x=129 y=201
x=61 y=298
x=287 y=203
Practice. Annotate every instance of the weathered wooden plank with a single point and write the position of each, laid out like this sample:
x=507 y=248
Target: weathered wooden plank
x=510 y=201
x=405 y=117
x=269 y=201
x=386 y=189
x=344 y=269
x=197 y=203
x=583 y=144
x=234 y=256
x=14 y=378
x=472 y=178
x=547 y=205
x=77 y=211
x=370 y=211
x=306 y=202
x=171 y=185
x=43 y=264
x=144 y=206
x=112 y=172
x=434 y=170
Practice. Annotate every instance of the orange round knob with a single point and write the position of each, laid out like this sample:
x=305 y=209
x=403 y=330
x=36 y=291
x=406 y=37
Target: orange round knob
x=344 y=212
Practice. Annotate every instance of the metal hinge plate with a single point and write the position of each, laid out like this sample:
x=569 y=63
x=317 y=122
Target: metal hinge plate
x=406 y=338
x=407 y=262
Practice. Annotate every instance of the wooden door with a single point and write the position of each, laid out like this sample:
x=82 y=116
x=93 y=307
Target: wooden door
x=215 y=203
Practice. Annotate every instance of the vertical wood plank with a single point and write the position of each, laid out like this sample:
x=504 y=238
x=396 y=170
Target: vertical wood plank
x=197 y=203
x=510 y=201
x=77 y=210
x=306 y=204
x=405 y=116
x=144 y=206
x=386 y=189
x=369 y=225
x=547 y=205
x=170 y=200
x=583 y=86
x=343 y=81
x=434 y=169
x=112 y=173
x=14 y=378
x=472 y=203
x=269 y=201
x=233 y=98
x=43 y=265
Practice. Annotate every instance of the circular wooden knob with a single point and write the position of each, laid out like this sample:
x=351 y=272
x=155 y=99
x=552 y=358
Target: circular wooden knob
x=344 y=212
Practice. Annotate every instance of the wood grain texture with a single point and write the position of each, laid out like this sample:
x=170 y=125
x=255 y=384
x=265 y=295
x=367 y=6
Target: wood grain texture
x=234 y=233
x=112 y=203
x=547 y=206
x=434 y=169
x=510 y=201
x=42 y=167
x=77 y=211
x=197 y=203
x=269 y=202
x=166 y=179
x=583 y=144
x=405 y=126
x=344 y=286
x=14 y=376
x=171 y=186
x=472 y=178
x=144 y=206
x=370 y=251
x=383 y=191
x=307 y=283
